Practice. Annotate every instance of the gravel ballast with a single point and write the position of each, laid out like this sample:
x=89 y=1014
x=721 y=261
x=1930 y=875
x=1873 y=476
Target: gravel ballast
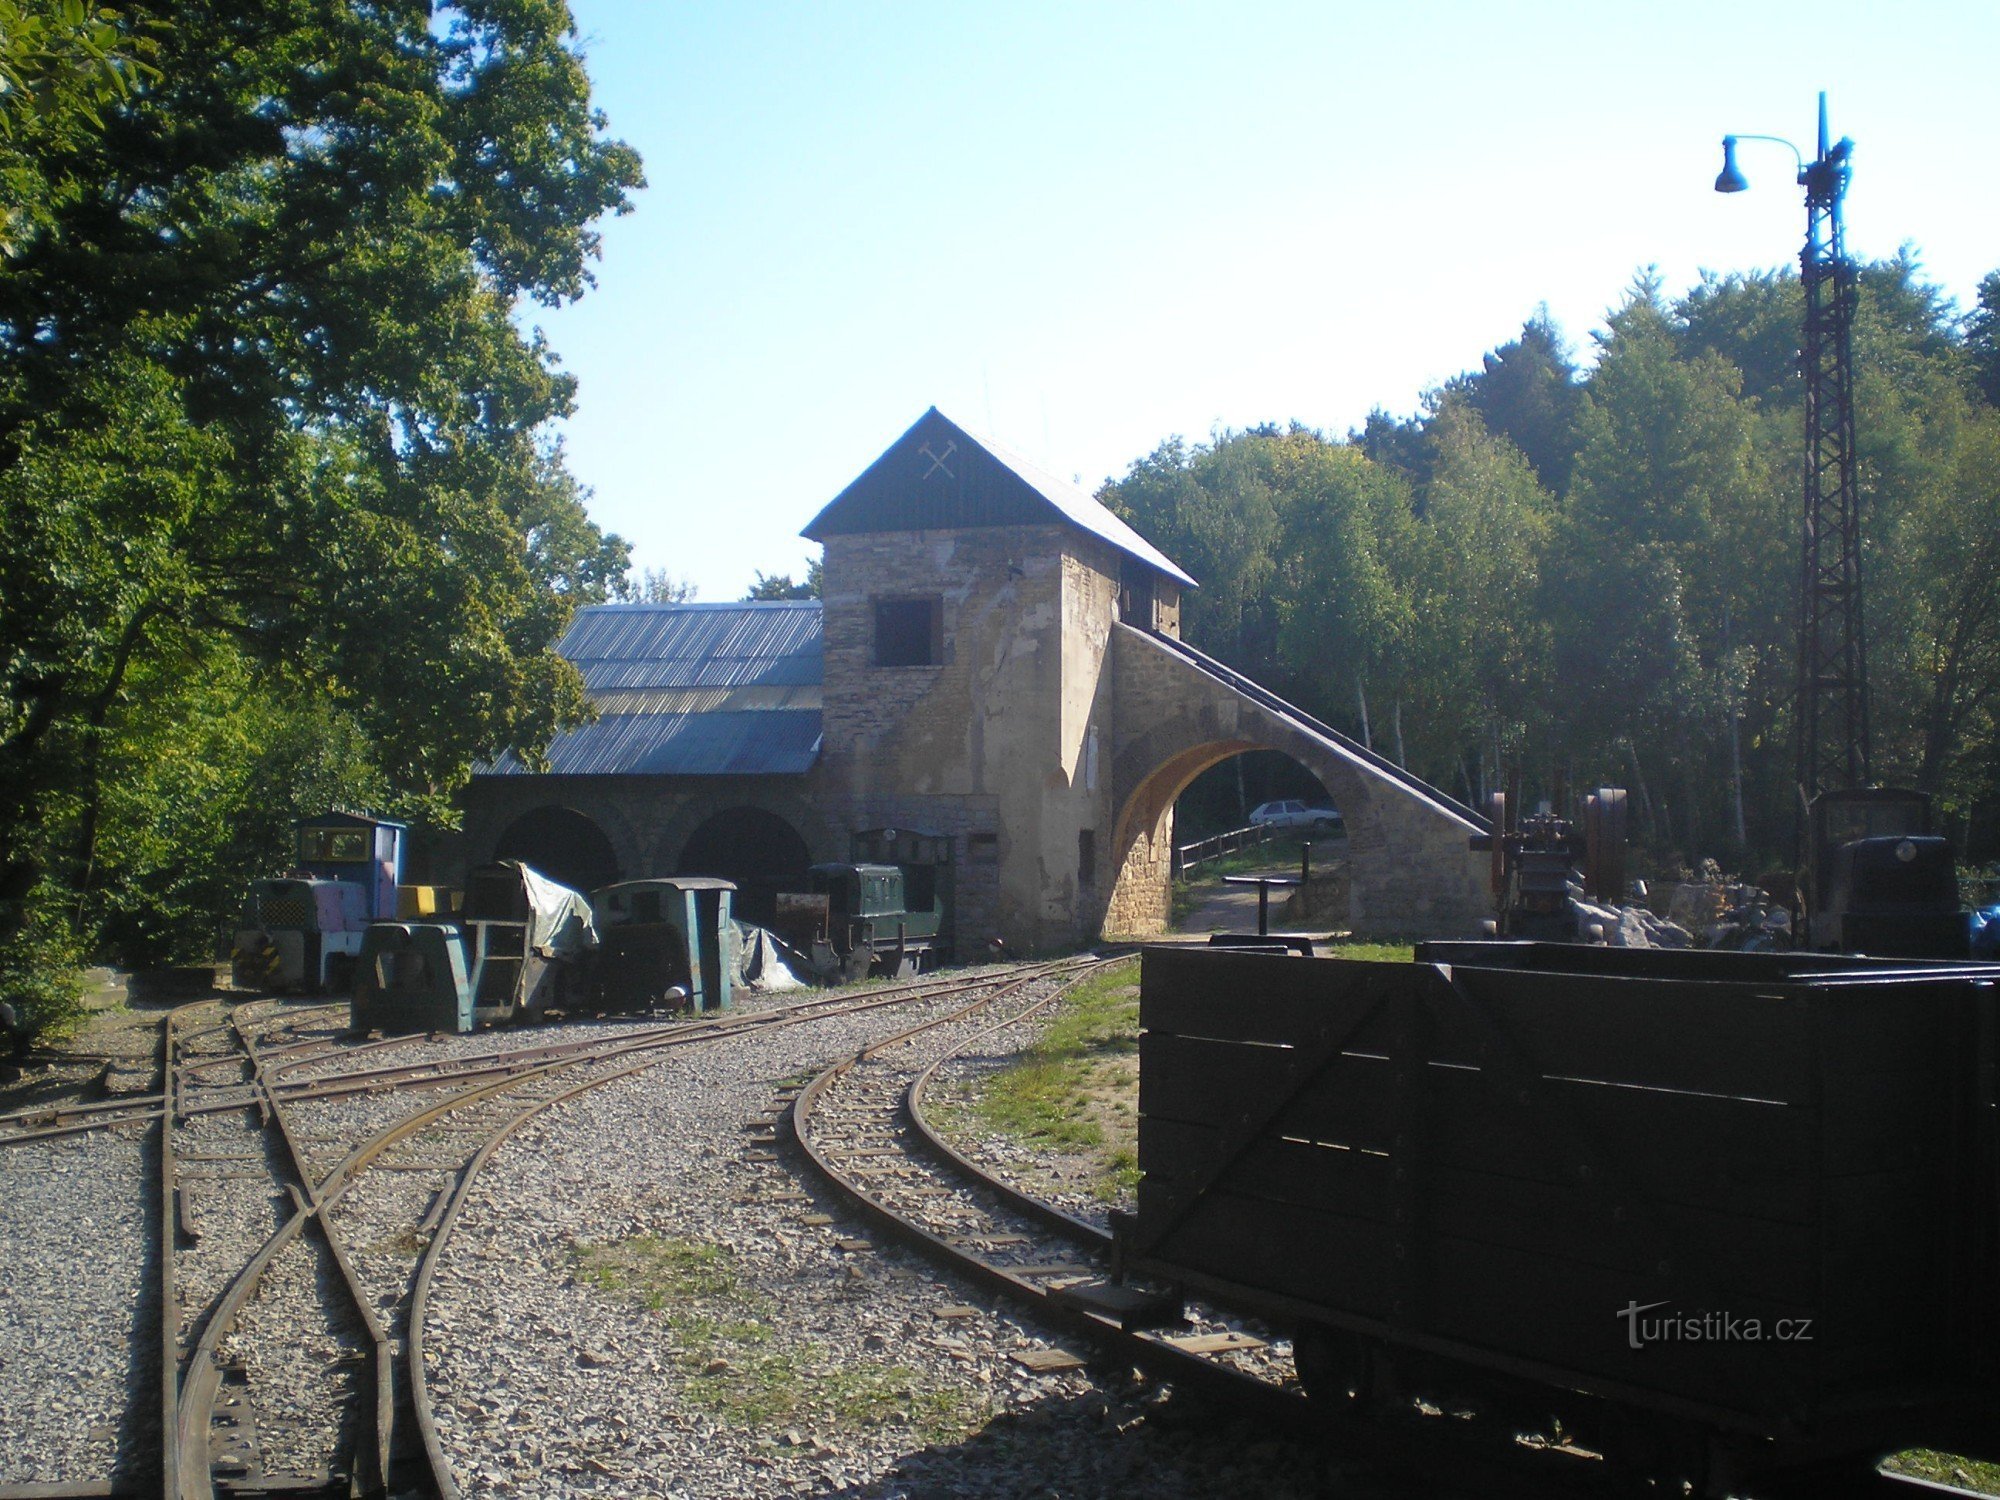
x=816 y=1361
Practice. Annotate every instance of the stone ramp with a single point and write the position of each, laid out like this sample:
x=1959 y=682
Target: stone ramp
x=1180 y=711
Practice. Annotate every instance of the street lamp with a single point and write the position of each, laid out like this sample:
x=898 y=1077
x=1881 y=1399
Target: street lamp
x=1833 y=749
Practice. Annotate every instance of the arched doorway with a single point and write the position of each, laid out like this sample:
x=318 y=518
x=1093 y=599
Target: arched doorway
x=562 y=844
x=758 y=850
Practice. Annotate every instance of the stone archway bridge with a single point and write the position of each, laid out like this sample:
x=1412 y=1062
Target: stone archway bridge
x=1177 y=712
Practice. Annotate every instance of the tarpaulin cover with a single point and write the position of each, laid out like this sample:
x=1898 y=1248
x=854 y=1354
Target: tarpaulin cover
x=759 y=965
x=559 y=924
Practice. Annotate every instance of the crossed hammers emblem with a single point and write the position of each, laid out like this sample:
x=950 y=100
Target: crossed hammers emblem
x=938 y=459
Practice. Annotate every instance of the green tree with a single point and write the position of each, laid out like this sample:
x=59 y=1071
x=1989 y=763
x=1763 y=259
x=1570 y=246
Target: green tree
x=265 y=410
x=1671 y=569
x=1982 y=338
x=1480 y=643
x=1211 y=508
x=1526 y=391
x=1347 y=548
x=780 y=585
x=656 y=586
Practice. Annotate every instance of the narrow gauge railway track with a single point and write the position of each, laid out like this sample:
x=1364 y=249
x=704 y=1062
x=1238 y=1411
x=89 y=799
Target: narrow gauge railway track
x=861 y=1125
x=213 y=1436
x=339 y=1081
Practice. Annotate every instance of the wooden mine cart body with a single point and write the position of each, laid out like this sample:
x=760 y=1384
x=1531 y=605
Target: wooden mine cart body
x=1754 y=1192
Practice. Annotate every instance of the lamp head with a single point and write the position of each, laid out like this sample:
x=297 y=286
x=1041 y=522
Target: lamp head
x=1729 y=180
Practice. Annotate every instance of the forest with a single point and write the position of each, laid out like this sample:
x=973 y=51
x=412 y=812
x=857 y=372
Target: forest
x=1589 y=568
x=282 y=525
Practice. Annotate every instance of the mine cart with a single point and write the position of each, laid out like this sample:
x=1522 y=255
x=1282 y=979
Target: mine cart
x=664 y=944
x=302 y=930
x=1748 y=1197
x=512 y=954
x=854 y=920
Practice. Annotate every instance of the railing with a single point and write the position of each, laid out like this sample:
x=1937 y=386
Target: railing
x=1189 y=857
x=1263 y=696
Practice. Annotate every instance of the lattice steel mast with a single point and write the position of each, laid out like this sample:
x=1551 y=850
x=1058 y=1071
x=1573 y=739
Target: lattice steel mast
x=1833 y=738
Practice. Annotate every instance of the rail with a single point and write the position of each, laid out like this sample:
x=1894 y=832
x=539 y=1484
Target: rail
x=1263 y=697
x=1193 y=856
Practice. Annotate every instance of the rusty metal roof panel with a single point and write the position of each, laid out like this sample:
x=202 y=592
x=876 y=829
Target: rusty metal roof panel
x=940 y=477
x=759 y=742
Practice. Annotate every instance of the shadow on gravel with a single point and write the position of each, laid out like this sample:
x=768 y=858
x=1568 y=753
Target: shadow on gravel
x=1097 y=1446
x=139 y=1443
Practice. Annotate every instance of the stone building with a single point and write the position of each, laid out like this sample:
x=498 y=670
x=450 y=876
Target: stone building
x=991 y=690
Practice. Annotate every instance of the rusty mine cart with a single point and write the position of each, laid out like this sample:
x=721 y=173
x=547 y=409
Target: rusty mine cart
x=667 y=944
x=515 y=952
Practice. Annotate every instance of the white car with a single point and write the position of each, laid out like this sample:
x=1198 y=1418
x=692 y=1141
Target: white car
x=1291 y=813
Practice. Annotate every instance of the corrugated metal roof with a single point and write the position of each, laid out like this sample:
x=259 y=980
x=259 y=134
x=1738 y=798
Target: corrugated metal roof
x=758 y=643
x=692 y=690
x=760 y=742
x=939 y=476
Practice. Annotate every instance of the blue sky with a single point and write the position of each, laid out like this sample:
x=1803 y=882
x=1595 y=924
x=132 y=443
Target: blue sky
x=1084 y=228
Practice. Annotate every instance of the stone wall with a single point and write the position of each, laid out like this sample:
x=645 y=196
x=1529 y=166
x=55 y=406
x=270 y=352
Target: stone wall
x=1412 y=871
x=648 y=819
x=1014 y=718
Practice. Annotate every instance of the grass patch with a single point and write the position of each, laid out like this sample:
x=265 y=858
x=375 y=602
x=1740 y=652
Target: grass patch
x=1943 y=1468
x=1075 y=1089
x=1388 y=953
x=805 y=1387
x=726 y=1348
x=658 y=1270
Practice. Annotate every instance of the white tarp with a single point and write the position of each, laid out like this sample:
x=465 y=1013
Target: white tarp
x=759 y=965
x=560 y=924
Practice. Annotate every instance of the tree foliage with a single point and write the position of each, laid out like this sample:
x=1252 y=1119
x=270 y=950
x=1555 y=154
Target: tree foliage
x=1593 y=573
x=780 y=585
x=273 y=452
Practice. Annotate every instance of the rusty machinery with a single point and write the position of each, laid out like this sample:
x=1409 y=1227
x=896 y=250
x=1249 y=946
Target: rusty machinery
x=1543 y=858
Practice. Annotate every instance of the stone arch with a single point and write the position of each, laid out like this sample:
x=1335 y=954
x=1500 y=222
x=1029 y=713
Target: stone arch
x=753 y=846
x=1411 y=868
x=566 y=845
x=690 y=809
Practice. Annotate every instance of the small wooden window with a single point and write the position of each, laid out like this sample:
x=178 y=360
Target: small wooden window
x=909 y=632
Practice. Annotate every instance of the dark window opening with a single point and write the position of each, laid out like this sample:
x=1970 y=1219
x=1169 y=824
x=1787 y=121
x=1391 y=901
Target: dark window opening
x=342 y=846
x=909 y=632
x=1086 y=856
x=1135 y=594
x=982 y=847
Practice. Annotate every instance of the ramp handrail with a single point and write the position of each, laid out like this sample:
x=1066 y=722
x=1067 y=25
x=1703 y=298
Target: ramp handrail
x=1265 y=698
x=1186 y=858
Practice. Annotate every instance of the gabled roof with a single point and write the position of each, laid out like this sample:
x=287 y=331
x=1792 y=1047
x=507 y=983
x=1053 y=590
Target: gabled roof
x=940 y=477
x=692 y=690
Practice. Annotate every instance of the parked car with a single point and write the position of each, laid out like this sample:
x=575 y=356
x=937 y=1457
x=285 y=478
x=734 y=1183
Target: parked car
x=1291 y=813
